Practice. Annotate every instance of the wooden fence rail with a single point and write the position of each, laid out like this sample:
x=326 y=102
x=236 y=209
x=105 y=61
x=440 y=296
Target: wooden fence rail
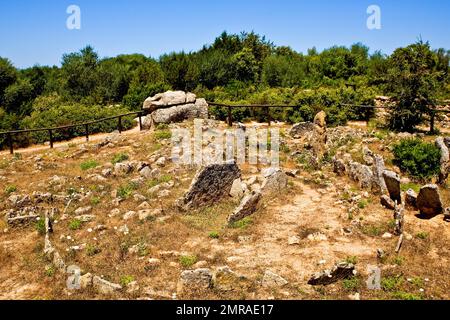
x=140 y=114
x=10 y=134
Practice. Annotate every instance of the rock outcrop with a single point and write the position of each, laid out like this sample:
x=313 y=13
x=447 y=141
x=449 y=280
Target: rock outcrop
x=429 y=200
x=392 y=181
x=173 y=106
x=210 y=185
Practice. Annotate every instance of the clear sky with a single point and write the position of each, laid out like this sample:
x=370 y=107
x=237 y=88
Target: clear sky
x=35 y=32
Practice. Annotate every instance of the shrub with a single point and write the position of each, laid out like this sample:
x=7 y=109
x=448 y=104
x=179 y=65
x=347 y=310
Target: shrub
x=214 y=235
x=89 y=164
x=422 y=235
x=95 y=201
x=419 y=159
x=351 y=284
x=125 y=191
x=163 y=135
x=120 y=157
x=391 y=283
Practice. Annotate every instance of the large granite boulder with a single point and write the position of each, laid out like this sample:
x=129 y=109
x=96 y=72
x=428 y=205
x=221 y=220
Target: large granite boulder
x=429 y=200
x=173 y=106
x=211 y=184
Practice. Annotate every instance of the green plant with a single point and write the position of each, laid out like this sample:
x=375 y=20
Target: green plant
x=351 y=284
x=188 y=261
x=95 y=200
x=352 y=260
x=120 y=157
x=213 y=235
x=92 y=250
x=242 y=224
x=398 y=260
x=419 y=159
x=125 y=191
x=391 y=283
x=423 y=235
x=75 y=224
x=362 y=204
x=40 y=226
x=163 y=135
x=406 y=296
x=126 y=280
x=50 y=271
x=413 y=186
x=89 y=164
x=10 y=189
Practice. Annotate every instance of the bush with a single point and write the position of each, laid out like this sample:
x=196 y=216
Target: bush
x=75 y=224
x=10 y=189
x=188 y=261
x=419 y=159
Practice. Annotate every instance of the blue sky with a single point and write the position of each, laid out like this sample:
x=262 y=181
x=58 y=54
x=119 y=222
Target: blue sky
x=34 y=32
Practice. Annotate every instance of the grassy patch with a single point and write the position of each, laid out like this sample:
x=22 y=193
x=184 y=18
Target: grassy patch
x=414 y=186
x=10 y=189
x=75 y=224
x=89 y=164
x=95 y=201
x=40 y=226
x=242 y=224
x=125 y=191
x=352 y=260
x=400 y=295
x=120 y=157
x=163 y=135
x=352 y=284
x=188 y=261
x=126 y=280
x=214 y=235
x=362 y=204
x=423 y=235
x=50 y=271
x=92 y=250
x=392 y=283
x=373 y=230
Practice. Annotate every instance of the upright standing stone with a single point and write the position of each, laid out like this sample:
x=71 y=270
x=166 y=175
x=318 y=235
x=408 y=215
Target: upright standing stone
x=429 y=200
x=392 y=181
x=445 y=160
x=211 y=184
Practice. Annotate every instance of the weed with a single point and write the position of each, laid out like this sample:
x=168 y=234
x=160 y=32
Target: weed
x=40 y=226
x=95 y=201
x=242 y=224
x=351 y=284
x=213 y=235
x=10 y=189
x=92 y=250
x=50 y=271
x=406 y=296
x=352 y=260
x=126 y=280
x=423 y=235
x=391 y=283
x=163 y=135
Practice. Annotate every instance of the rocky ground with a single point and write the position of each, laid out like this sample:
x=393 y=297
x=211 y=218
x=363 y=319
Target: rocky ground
x=140 y=227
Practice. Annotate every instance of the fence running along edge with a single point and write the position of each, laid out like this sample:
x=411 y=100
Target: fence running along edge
x=142 y=113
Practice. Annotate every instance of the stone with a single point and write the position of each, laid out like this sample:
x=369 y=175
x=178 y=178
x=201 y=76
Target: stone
x=123 y=168
x=293 y=240
x=361 y=173
x=320 y=118
x=392 y=181
x=86 y=281
x=237 y=189
x=168 y=98
x=146 y=173
x=301 y=130
x=195 y=279
x=411 y=199
x=189 y=111
x=338 y=167
x=340 y=271
x=211 y=184
x=129 y=215
x=429 y=200
x=247 y=207
x=226 y=280
x=368 y=156
x=378 y=168
x=275 y=181
x=105 y=287
x=444 y=161
x=85 y=217
x=387 y=202
x=273 y=280
x=147 y=213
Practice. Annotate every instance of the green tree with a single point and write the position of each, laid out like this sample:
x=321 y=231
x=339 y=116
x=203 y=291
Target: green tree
x=414 y=82
x=8 y=75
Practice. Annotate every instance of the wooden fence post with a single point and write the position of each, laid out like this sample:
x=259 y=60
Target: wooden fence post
x=140 y=121
x=50 y=133
x=86 y=127
x=269 y=120
x=120 y=125
x=432 y=116
x=230 y=120
x=10 y=143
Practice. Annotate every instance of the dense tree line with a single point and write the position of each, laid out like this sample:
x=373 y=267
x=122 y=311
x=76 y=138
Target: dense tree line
x=241 y=68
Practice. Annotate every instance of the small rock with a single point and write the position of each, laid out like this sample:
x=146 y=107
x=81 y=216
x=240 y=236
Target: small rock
x=387 y=202
x=272 y=280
